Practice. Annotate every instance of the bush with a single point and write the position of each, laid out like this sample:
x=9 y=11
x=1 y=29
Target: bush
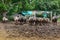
x=1 y=18
x=39 y=15
x=10 y=18
x=59 y=20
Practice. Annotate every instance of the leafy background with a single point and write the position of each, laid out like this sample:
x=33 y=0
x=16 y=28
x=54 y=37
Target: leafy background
x=16 y=6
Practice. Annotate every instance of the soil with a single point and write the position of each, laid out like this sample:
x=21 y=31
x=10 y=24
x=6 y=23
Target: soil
x=10 y=31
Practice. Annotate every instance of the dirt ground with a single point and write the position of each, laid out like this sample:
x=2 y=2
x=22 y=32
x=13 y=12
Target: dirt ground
x=10 y=31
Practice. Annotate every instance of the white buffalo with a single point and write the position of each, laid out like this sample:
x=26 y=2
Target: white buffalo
x=5 y=19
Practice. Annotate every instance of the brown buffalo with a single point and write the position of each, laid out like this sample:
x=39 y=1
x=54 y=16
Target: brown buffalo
x=54 y=20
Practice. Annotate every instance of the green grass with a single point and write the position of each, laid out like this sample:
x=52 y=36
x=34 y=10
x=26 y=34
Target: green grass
x=59 y=20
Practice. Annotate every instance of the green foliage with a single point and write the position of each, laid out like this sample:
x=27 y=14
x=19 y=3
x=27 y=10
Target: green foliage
x=16 y=6
x=10 y=18
x=39 y=15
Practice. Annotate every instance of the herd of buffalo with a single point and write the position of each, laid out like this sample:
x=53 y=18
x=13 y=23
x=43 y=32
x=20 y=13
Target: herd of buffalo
x=32 y=20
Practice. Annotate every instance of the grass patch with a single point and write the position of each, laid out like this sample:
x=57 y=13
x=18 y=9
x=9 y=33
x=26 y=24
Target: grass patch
x=59 y=20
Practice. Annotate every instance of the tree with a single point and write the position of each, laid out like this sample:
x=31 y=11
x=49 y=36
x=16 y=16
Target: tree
x=15 y=6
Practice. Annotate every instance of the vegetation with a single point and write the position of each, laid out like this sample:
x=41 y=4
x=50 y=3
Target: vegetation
x=16 y=6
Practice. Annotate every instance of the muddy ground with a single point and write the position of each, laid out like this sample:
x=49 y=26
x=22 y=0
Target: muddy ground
x=10 y=31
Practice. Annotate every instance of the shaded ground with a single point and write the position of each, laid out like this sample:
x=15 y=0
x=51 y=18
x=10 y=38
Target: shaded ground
x=10 y=31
